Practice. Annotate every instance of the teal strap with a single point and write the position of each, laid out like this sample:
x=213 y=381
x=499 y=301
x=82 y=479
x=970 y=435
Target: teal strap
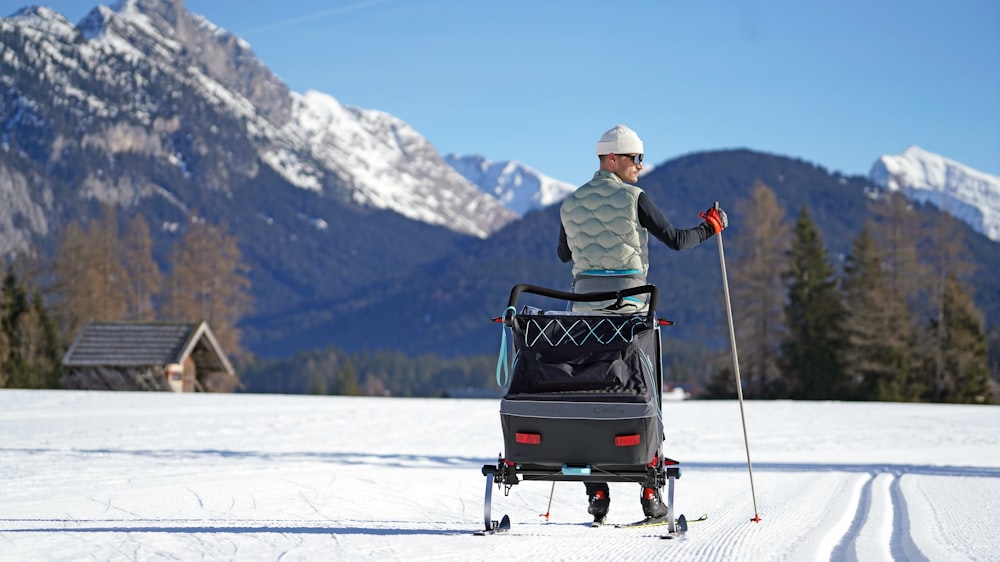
x=504 y=362
x=611 y=272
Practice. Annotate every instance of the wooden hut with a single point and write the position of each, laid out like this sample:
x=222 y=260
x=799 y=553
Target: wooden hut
x=165 y=356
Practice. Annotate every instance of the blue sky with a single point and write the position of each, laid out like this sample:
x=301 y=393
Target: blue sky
x=834 y=83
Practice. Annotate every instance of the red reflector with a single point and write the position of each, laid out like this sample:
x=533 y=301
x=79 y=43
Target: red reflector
x=528 y=438
x=626 y=440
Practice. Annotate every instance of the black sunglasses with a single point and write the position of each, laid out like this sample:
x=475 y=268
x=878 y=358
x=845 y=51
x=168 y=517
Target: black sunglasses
x=636 y=158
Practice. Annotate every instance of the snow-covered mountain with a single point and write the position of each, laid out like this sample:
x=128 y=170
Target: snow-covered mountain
x=147 y=78
x=517 y=186
x=387 y=164
x=969 y=195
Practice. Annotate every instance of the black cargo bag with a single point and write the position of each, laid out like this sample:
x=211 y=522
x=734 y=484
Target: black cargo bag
x=584 y=389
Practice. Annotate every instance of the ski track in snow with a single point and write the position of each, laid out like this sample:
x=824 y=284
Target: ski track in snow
x=155 y=476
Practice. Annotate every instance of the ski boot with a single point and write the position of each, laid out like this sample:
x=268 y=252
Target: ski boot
x=652 y=505
x=599 y=504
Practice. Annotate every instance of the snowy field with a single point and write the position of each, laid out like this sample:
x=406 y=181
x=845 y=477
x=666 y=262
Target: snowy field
x=159 y=476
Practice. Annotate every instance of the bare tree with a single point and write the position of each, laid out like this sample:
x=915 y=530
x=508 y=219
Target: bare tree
x=90 y=281
x=105 y=251
x=896 y=229
x=923 y=259
x=145 y=278
x=208 y=282
x=762 y=250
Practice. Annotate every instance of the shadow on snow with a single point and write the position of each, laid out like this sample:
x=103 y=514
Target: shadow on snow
x=66 y=527
x=396 y=460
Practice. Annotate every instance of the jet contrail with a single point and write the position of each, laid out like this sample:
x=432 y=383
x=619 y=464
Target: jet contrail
x=316 y=16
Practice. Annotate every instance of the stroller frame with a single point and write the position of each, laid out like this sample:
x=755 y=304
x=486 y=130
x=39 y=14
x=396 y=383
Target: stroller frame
x=557 y=417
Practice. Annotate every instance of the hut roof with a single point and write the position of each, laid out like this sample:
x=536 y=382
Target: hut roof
x=130 y=344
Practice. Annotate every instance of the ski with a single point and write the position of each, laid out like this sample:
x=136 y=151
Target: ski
x=501 y=526
x=704 y=516
x=647 y=522
x=658 y=521
x=598 y=522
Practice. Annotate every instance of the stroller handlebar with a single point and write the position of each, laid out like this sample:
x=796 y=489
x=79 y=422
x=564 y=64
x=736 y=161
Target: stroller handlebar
x=651 y=290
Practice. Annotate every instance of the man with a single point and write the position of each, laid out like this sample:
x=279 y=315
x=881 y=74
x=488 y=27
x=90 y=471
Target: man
x=605 y=229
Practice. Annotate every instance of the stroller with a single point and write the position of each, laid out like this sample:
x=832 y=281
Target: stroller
x=584 y=401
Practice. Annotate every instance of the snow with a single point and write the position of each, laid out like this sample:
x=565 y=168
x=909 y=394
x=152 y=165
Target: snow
x=967 y=194
x=389 y=165
x=518 y=186
x=286 y=163
x=45 y=20
x=149 y=476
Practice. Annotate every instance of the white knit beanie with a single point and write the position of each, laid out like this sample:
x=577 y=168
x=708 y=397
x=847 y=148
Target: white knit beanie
x=619 y=140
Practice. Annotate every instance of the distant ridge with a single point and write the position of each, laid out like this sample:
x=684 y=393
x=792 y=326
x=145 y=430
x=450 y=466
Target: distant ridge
x=519 y=187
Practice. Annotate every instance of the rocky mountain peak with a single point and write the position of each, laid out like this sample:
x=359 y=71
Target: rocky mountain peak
x=164 y=31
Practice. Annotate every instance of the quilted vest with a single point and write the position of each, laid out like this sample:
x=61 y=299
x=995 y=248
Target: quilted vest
x=602 y=227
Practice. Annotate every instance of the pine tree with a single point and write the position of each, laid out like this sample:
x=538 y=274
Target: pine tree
x=964 y=360
x=47 y=362
x=812 y=352
x=4 y=347
x=29 y=348
x=347 y=379
x=944 y=252
x=993 y=351
x=13 y=304
x=878 y=327
x=759 y=293
x=721 y=384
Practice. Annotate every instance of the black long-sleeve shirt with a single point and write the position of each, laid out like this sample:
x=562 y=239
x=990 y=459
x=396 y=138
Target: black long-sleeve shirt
x=653 y=220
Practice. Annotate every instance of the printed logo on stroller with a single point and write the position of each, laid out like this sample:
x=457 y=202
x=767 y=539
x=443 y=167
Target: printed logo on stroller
x=609 y=411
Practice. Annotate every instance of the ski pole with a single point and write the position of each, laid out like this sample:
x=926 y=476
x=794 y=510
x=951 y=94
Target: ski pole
x=548 y=509
x=736 y=369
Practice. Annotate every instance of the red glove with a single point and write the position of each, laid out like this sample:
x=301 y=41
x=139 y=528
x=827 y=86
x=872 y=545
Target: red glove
x=715 y=217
